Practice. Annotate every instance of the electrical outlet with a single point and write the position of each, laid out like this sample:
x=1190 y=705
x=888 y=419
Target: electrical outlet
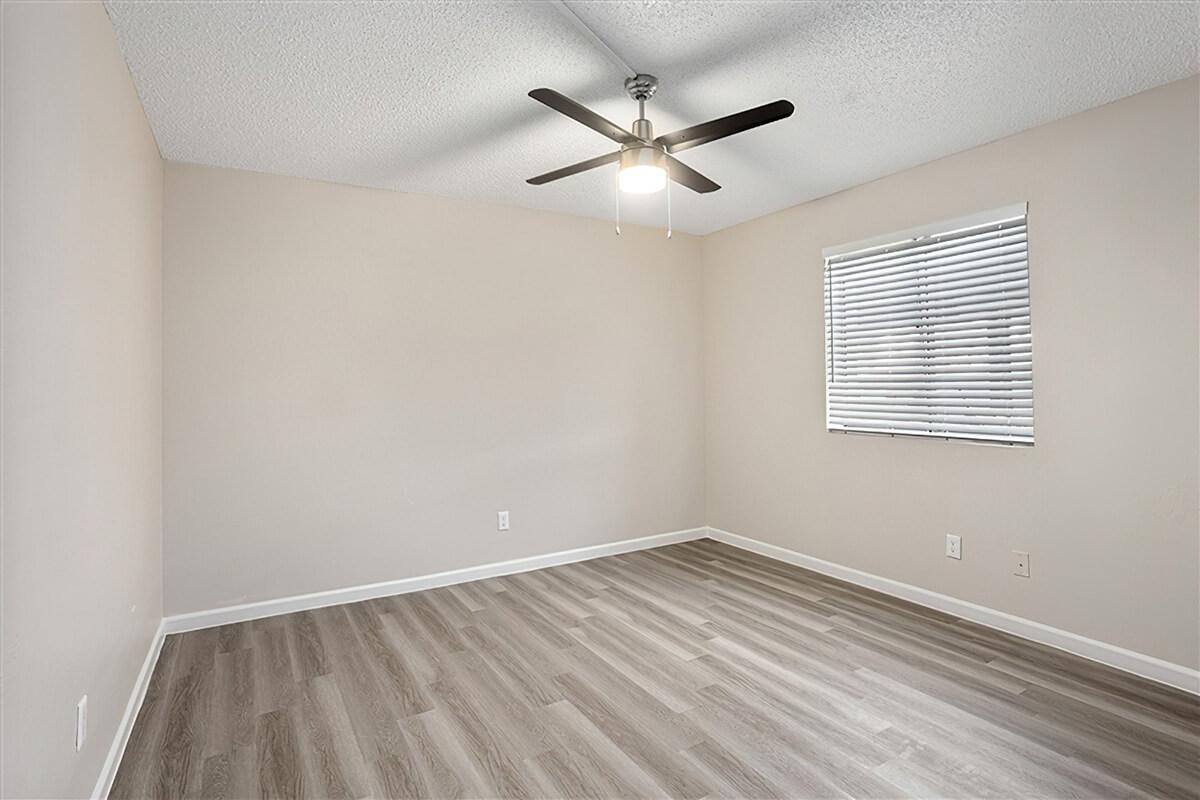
x=953 y=546
x=1020 y=563
x=80 y=723
x=501 y=520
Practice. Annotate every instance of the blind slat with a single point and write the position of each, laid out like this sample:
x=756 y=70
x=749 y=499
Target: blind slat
x=943 y=265
x=1010 y=271
x=930 y=336
x=973 y=406
x=972 y=274
x=979 y=300
x=952 y=339
x=996 y=310
x=921 y=248
x=970 y=323
x=933 y=358
x=942 y=395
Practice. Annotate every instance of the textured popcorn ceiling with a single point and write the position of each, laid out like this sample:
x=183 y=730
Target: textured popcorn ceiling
x=430 y=97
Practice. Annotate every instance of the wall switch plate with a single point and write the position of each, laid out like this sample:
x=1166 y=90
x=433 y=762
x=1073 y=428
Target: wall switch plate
x=501 y=520
x=953 y=546
x=1020 y=563
x=80 y=723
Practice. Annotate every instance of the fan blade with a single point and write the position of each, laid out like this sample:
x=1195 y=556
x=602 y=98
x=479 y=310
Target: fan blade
x=582 y=166
x=715 y=129
x=684 y=175
x=565 y=105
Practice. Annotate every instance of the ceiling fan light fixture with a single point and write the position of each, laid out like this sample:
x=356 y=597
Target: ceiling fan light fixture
x=647 y=162
x=643 y=170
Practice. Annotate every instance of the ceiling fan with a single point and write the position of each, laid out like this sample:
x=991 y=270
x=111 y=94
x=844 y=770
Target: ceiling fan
x=646 y=162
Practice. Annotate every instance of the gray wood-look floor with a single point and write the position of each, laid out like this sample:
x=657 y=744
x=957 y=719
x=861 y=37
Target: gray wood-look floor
x=695 y=670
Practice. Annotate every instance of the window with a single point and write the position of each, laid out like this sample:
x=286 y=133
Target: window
x=927 y=332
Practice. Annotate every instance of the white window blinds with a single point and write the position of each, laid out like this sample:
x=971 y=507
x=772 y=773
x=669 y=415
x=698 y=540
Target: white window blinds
x=927 y=332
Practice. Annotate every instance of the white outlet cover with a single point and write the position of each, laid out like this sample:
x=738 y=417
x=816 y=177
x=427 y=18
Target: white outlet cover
x=953 y=546
x=80 y=723
x=1020 y=563
x=501 y=520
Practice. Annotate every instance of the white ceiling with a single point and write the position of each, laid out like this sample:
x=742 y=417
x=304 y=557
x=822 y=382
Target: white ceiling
x=431 y=97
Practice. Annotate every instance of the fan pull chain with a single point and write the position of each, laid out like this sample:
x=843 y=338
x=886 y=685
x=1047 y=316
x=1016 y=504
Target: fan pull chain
x=618 y=193
x=668 y=199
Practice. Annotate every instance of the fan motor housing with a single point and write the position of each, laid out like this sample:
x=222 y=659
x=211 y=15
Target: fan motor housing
x=641 y=87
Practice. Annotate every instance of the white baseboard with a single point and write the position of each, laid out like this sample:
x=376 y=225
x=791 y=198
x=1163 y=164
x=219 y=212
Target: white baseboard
x=1145 y=666
x=121 y=738
x=352 y=594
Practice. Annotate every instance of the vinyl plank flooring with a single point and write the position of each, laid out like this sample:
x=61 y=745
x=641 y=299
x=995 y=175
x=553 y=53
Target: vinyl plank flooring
x=691 y=671
x=307 y=649
x=585 y=746
x=447 y=771
x=373 y=720
x=215 y=776
x=832 y=764
x=280 y=775
x=670 y=680
x=520 y=675
x=655 y=756
x=484 y=742
x=232 y=702
x=398 y=776
x=505 y=715
x=181 y=755
x=560 y=775
x=732 y=776
x=274 y=679
x=1006 y=756
x=139 y=765
x=762 y=752
x=332 y=762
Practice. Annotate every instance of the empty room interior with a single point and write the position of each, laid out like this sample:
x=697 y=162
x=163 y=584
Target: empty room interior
x=600 y=399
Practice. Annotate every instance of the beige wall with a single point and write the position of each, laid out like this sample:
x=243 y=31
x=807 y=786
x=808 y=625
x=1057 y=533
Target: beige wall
x=357 y=381
x=82 y=392
x=1106 y=502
